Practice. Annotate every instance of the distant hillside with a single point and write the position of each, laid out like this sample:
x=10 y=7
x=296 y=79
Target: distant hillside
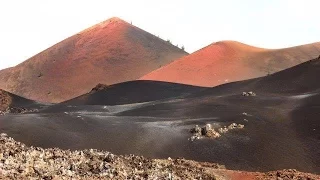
x=229 y=61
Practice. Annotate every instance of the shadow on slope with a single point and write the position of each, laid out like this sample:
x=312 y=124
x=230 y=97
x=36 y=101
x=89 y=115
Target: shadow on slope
x=133 y=92
x=11 y=100
x=281 y=122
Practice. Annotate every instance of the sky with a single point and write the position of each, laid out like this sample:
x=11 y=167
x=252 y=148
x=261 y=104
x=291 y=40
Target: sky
x=29 y=27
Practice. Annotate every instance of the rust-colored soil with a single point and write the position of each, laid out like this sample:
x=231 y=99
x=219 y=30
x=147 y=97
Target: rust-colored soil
x=229 y=61
x=110 y=52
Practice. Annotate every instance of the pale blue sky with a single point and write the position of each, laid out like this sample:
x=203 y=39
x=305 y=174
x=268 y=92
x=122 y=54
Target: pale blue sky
x=28 y=27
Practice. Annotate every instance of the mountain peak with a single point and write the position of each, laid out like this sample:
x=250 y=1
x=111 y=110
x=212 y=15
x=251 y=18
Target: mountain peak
x=110 y=52
x=114 y=21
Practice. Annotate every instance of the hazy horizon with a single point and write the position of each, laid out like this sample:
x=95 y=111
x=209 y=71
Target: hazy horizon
x=29 y=27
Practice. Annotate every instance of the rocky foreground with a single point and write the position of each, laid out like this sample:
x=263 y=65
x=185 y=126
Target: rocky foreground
x=5 y=100
x=18 y=161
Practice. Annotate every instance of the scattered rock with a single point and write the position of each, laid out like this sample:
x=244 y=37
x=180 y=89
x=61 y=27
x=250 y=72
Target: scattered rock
x=99 y=87
x=212 y=134
x=197 y=133
x=250 y=93
x=208 y=131
x=235 y=126
x=197 y=130
x=223 y=130
x=207 y=128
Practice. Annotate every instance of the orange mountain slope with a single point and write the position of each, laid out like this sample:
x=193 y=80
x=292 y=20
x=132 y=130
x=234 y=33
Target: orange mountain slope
x=110 y=52
x=228 y=61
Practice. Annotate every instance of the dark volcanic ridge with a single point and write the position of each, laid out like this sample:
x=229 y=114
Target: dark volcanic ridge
x=133 y=92
x=10 y=103
x=18 y=161
x=296 y=84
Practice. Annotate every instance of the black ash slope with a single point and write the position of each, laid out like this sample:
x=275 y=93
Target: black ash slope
x=281 y=123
